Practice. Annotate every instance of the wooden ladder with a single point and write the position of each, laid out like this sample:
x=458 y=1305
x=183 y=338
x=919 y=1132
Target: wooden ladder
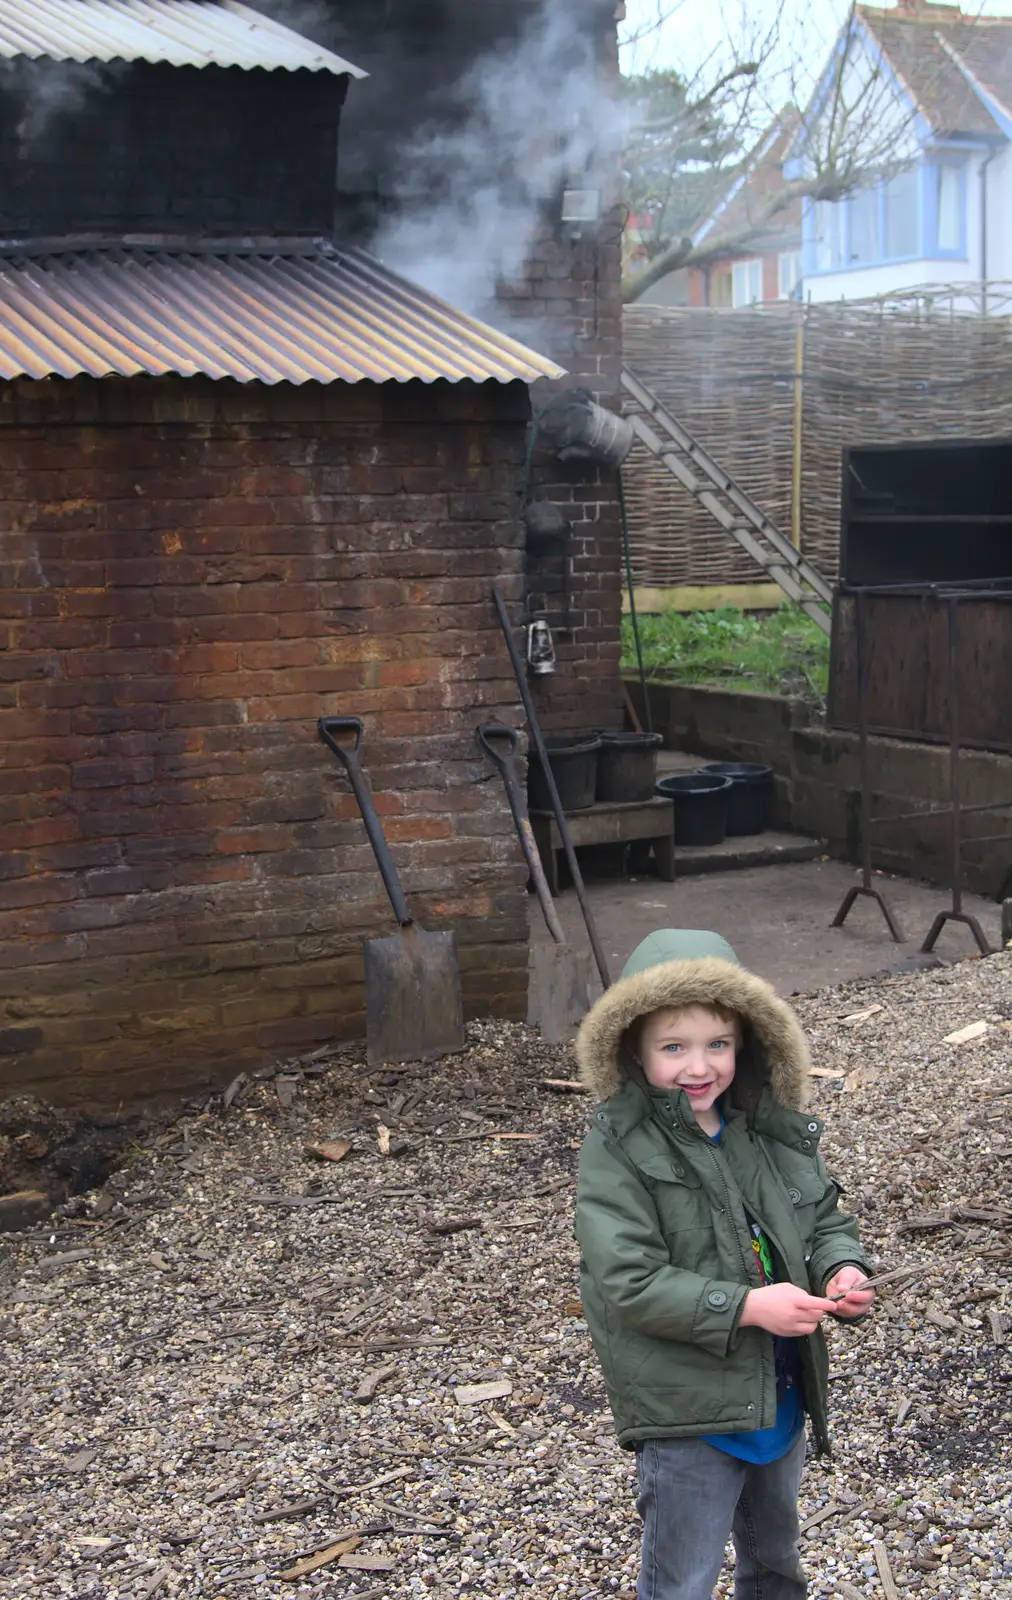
x=728 y=504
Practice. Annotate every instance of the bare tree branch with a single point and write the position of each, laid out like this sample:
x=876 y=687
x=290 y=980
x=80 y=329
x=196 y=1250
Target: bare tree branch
x=856 y=131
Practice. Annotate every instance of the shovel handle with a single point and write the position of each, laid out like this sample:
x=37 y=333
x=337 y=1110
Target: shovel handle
x=348 y=755
x=506 y=761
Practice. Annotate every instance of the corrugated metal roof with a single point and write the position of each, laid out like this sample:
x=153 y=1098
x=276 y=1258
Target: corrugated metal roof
x=185 y=33
x=297 y=317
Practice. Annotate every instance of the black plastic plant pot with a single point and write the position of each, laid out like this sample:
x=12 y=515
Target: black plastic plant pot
x=750 y=805
x=574 y=768
x=700 y=806
x=627 y=766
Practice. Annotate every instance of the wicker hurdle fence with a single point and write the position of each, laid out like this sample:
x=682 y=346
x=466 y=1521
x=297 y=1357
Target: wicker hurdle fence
x=776 y=393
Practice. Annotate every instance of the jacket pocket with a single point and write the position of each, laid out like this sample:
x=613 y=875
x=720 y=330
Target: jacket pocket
x=684 y=1213
x=804 y=1190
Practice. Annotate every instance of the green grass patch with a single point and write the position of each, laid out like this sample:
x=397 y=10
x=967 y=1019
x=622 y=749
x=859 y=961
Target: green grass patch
x=783 y=652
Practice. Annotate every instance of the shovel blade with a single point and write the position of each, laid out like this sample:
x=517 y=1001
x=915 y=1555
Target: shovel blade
x=559 y=991
x=414 y=1009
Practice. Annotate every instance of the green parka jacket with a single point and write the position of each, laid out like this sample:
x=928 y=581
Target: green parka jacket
x=666 y=1253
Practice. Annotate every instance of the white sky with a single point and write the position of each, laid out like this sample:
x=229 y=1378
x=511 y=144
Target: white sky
x=696 y=35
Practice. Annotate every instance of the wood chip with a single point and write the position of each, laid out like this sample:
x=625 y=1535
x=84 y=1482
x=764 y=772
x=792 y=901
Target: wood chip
x=383 y=1139
x=66 y=1259
x=323 y=1558
x=825 y=1072
x=846 y=1591
x=885 y=1572
x=998 y=1324
x=473 y=1394
x=573 y=1084
x=231 y=1491
x=832 y=1510
x=298 y=1508
x=511 y=1136
x=344 y=1492
x=234 y=1088
x=455 y=1225
x=940 y=1319
x=378 y=1345
x=903 y=1411
x=371 y=1381
x=328 y=1150
x=573 y=1308
x=82 y=1460
x=500 y=1422
x=855 y=1019
x=285 y=1089
x=973 y=1030
x=368 y=1563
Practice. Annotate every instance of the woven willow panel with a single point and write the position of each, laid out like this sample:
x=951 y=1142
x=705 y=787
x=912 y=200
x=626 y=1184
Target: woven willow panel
x=872 y=373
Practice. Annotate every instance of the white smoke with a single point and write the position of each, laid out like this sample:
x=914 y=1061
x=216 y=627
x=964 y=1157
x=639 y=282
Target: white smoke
x=537 y=115
x=54 y=89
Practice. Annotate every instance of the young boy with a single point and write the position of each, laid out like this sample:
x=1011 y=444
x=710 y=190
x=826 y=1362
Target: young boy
x=710 y=1241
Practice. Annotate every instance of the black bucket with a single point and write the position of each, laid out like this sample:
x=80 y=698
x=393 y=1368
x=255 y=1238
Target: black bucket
x=627 y=766
x=751 y=802
x=574 y=768
x=700 y=806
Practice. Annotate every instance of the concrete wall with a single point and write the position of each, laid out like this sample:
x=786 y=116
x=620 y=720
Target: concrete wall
x=191 y=573
x=818 y=781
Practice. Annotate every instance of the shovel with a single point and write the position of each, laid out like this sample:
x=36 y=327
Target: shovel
x=558 y=996
x=414 y=1010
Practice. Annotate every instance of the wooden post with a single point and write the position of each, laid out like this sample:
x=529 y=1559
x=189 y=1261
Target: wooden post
x=799 y=412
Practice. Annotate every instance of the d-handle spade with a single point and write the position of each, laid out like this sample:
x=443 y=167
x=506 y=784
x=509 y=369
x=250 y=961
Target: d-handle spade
x=488 y=735
x=414 y=1009
x=559 y=989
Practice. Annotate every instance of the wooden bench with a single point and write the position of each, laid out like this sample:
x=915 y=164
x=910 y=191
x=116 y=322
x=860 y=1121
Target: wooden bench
x=609 y=823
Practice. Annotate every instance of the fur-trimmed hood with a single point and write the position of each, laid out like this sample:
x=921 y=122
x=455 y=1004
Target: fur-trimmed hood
x=684 y=967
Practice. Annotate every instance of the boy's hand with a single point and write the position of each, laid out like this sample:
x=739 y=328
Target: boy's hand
x=848 y=1281
x=785 y=1310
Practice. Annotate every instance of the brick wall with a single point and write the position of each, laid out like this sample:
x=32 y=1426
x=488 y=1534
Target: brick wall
x=569 y=305
x=146 y=147
x=191 y=574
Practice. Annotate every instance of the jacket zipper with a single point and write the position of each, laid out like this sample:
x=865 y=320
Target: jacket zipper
x=748 y=1265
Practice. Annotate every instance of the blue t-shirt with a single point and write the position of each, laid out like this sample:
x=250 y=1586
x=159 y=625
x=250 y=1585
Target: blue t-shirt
x=768 y=1444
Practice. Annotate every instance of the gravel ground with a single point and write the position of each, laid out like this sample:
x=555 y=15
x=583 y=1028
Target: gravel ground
x=183 y=1349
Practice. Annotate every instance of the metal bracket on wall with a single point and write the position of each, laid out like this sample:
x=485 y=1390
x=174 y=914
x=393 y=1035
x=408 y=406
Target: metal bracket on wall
x=716 y=491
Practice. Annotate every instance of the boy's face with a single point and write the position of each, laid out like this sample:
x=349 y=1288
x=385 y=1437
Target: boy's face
x=693 y=1049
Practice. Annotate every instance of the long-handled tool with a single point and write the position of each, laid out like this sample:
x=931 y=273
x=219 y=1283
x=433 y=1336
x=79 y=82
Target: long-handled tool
x=558 y=995
x=414 y=1009
x=560 y=816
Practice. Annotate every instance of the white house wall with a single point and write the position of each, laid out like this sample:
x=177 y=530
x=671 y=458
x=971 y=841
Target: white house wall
x=999 y=217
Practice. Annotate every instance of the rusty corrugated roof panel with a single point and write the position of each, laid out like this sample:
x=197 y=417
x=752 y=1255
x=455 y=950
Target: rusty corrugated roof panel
x=311 y=315
x=184 y=33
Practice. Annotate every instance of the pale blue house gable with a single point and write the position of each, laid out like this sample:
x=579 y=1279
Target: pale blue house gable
x=928 y=87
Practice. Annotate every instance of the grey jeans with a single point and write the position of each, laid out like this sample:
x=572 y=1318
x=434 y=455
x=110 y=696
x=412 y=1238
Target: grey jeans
x=692 y=1496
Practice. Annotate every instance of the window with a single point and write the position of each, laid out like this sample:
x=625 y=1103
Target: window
x=865 y=232
x=828 y=236
x=748 y=282
x=949 y=207
x=789 y=272
x=901 y=232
